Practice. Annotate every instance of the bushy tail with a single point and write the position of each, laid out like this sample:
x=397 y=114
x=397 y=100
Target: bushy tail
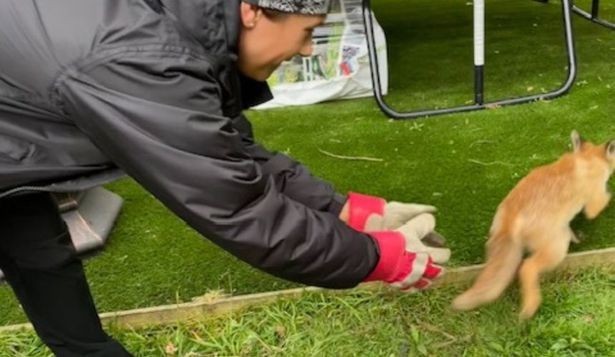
x=503 y=260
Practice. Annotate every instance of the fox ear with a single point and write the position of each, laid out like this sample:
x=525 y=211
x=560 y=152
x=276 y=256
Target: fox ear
x=576 y=141
x=610 y=149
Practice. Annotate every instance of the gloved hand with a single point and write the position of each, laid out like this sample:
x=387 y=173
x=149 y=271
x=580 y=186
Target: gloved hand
x=405 y=261
x=370 y=213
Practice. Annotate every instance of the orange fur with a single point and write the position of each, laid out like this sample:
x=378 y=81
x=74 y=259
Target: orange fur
x=535 y=218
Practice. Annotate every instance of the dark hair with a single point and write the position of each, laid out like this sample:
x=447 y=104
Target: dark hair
x=274 y=15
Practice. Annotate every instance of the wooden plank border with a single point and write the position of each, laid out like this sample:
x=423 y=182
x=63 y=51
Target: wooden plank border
x=184 y=312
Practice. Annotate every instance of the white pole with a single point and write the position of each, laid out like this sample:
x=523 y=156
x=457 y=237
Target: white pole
x=479 y=32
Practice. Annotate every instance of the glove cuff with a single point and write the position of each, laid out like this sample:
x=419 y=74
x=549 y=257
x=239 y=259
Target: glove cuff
x=362 y=206
x=395 y=263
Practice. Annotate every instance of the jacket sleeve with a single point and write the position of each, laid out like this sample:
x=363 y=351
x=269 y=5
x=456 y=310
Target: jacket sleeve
x=291 y=177
x=159 y=118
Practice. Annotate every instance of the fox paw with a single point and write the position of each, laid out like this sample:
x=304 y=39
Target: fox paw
x=575 y=238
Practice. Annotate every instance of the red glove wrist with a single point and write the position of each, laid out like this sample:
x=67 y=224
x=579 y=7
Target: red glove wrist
x=362 y=206
x=397 y=265
x=395 y=262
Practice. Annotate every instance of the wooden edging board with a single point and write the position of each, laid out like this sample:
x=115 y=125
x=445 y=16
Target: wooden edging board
x=183 y=312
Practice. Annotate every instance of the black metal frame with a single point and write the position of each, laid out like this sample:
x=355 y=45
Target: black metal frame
x=593 y=16
x=478 y=105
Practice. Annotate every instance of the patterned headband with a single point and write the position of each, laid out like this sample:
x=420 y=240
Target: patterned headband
x=304 y=7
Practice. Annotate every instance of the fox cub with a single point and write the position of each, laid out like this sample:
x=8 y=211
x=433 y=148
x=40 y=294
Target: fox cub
x=535 y=218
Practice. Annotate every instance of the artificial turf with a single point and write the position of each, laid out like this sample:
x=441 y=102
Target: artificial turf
x=462 y=163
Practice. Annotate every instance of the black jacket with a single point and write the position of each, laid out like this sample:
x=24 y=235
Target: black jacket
x=93 y=88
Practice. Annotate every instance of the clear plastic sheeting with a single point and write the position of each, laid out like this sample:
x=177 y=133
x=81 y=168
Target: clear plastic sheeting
x=339 y=66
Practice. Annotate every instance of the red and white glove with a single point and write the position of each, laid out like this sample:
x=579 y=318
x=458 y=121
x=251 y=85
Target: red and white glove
x=371 y=213
x=405 y=262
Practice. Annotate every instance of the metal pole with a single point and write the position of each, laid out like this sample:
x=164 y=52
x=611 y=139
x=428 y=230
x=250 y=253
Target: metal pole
x=595 y=8
x=479 y=50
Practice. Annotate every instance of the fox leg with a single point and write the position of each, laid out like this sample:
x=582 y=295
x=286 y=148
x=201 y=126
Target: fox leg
x=544 y=259
x=596 y=204
x=574 y=238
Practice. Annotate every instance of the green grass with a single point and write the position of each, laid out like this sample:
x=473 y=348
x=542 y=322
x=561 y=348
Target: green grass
x=576 y=319
x=463 y=163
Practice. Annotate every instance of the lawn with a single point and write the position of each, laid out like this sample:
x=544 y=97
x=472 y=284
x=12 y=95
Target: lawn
x=576 y=319
x=463 y=163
